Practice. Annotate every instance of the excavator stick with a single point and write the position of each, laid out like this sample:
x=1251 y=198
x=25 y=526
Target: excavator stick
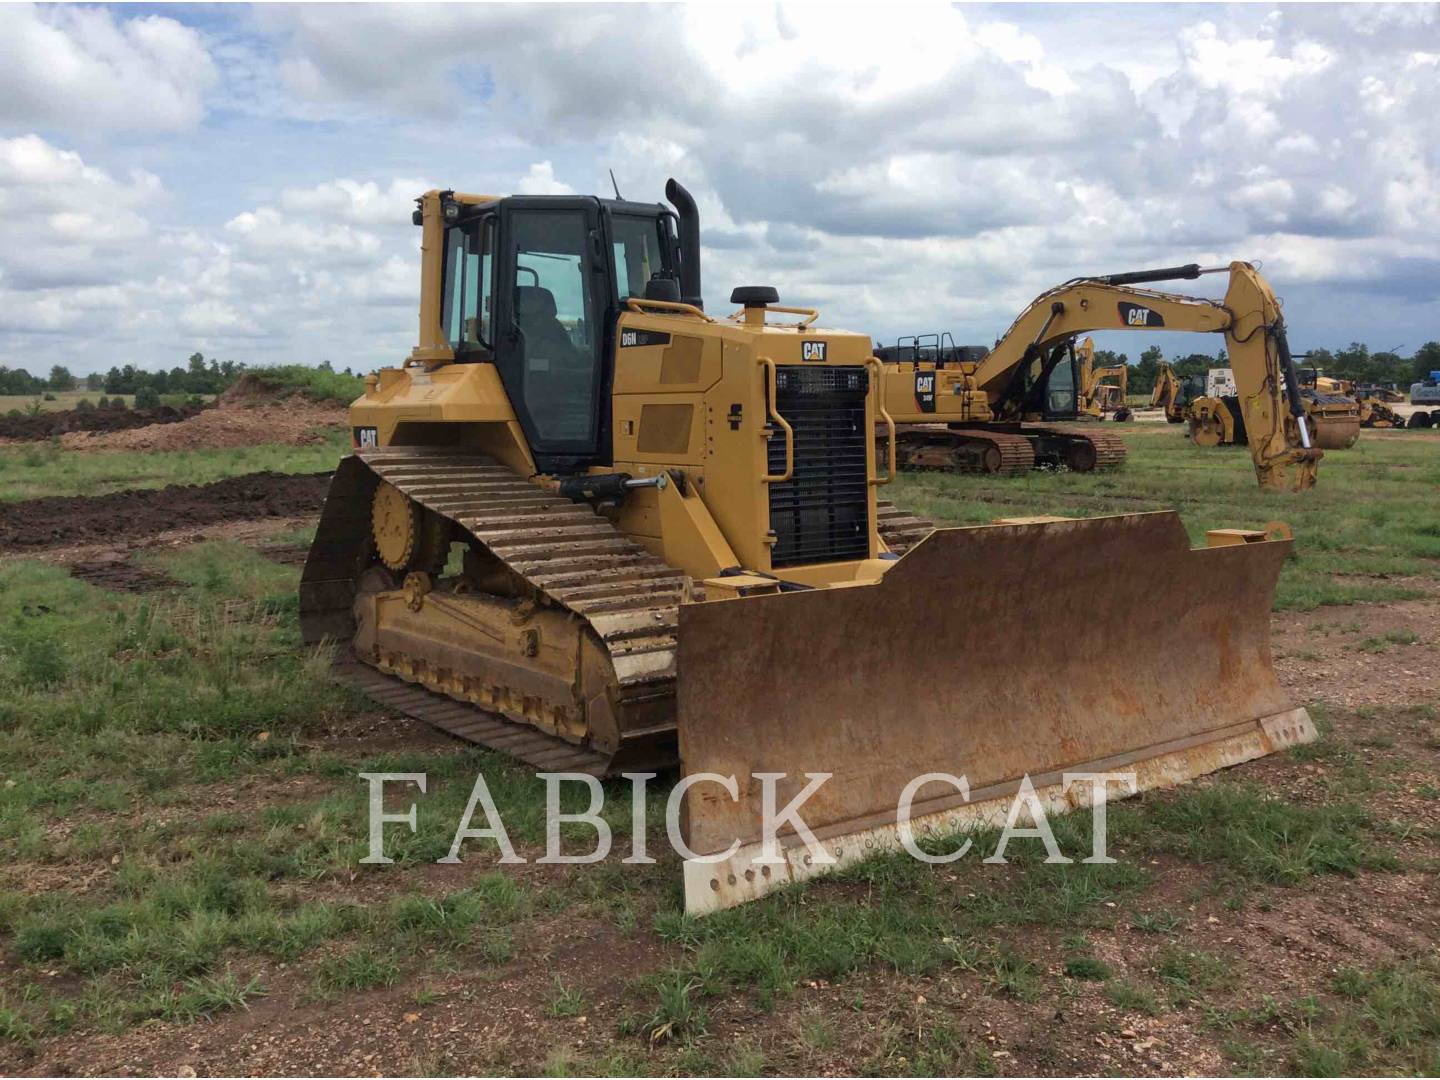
x=997 y=686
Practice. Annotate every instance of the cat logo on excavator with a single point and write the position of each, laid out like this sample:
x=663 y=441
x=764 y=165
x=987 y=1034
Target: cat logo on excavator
x=644 y=579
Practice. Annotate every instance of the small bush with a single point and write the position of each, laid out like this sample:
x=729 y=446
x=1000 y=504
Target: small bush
x=147 y=397
x=84 y=405
x=317 y=384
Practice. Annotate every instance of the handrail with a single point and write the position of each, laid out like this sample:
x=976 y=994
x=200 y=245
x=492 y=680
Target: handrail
x=639 y=303
x=810 y=314
x=879 y=383
x=769 y=366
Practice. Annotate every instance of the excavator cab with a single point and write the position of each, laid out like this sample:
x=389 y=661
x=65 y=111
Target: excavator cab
x=1061 y=398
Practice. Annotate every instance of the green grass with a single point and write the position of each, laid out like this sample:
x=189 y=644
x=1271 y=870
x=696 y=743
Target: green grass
x=1382 y=1020
x=37 y=469
x=1251 y=834
x=1087 y=967
x=1385 y=641
x=1369 y=520
x=113 y=704
x=128 y=725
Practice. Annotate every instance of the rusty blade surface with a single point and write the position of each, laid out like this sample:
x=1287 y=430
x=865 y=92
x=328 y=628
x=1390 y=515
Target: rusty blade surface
x=990 y=652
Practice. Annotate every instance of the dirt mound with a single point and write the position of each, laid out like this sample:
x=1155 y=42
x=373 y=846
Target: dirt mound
x=250 y=390
x=45 y=425
x=230 y=423
x=69 y=519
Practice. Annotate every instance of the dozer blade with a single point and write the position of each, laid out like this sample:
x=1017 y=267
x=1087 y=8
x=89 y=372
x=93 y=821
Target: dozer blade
x=996 y=652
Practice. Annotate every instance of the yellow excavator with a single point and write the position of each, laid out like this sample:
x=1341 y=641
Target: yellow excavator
x=593 y=526
x=981 y=415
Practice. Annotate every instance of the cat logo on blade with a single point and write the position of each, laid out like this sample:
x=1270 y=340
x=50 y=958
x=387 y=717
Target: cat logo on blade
x=1136 y=315
x=925 y=390
x=630 y=339
x=366 y=438
x=812 y=350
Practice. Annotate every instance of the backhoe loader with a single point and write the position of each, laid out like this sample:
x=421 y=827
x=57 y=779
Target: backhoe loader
x=597 y=528
x=1099 y=398
x=981 y=416
x=1216 y=417
x=1172 y=393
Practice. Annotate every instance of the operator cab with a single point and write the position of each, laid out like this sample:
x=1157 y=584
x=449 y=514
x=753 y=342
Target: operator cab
x=535 y=284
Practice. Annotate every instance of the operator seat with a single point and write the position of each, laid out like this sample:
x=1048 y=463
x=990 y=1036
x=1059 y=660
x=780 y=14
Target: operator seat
x=545 y=337
x=558 y=376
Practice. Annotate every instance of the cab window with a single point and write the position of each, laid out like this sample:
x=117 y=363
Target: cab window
x=467 y=314
x=637 y=252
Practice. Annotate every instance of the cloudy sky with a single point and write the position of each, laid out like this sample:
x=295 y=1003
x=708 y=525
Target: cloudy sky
x=238 y=180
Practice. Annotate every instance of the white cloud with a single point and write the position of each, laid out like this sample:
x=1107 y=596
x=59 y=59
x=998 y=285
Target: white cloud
x=82 y=69
x=933 y=168
x=540 y=180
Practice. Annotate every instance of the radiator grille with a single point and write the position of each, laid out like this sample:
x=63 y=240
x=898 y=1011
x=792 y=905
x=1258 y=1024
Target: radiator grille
x=819 y=515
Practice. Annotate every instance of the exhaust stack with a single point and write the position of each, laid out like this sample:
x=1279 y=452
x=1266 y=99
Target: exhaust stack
x=689 y=242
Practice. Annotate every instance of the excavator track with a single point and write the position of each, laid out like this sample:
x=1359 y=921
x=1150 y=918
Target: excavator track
x=999 y=452
x=573 y=559
x=1078 y=448
x=967 y=450
x=900 y=529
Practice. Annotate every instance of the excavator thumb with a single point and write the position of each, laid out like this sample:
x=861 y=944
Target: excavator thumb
x=993 y=653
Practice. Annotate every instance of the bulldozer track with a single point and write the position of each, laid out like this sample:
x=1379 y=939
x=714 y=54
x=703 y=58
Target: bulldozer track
x=900 y=529
x=572 y=557
x=972 y=450
x=472 y=724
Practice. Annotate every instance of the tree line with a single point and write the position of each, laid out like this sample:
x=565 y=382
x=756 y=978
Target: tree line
x=199 y=376
x=1356 y=363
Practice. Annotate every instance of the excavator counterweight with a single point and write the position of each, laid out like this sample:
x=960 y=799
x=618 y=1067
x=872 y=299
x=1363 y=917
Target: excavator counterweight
x=595 y=527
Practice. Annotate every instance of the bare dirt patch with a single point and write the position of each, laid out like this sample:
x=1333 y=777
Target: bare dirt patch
x=293 y=423
x=1362 y=654
x=36 y=524
x=47 y=425
x=117 y=571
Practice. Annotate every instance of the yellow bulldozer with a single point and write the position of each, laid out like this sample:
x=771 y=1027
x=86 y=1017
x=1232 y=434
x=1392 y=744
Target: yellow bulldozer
x=594 y=526
x=992 y=414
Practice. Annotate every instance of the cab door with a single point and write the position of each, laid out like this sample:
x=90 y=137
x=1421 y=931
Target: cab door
x=555 y=317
